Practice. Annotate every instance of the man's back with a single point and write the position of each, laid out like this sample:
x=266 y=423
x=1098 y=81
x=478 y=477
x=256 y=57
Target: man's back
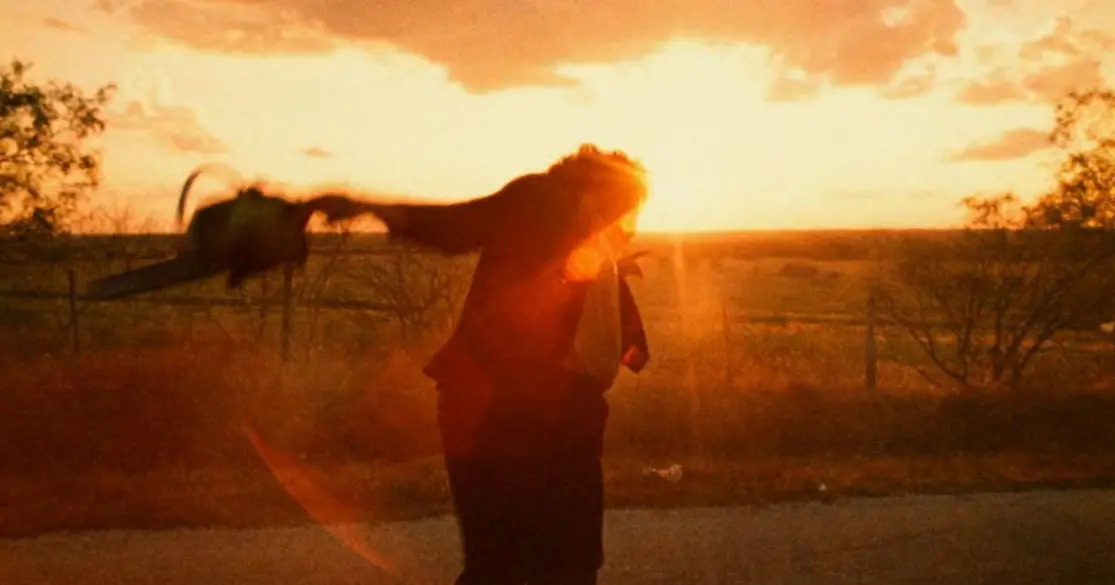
x=519 y=313
x=521 y=310
x=523 y=432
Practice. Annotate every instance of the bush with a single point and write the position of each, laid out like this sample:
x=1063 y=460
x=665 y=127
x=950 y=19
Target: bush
x=144 y=411
x=799 y=270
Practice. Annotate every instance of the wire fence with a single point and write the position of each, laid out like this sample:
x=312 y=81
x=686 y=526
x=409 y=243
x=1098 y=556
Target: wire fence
x=71 y=313
x=290 y=303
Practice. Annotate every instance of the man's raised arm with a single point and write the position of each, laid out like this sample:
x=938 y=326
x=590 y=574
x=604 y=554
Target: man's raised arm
x=452 y=228
x=460 y=228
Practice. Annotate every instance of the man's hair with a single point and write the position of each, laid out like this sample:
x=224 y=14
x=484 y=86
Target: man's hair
x=592 y=156
x=615 y=182
x=591 y=163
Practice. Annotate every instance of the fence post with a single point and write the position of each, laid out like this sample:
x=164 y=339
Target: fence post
x=1113 y=338
x=727 y=332
x=75 y=337
x=288 y=309
x=871 y=357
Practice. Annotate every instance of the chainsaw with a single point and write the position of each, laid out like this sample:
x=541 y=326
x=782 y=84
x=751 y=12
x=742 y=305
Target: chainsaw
x=246 y=235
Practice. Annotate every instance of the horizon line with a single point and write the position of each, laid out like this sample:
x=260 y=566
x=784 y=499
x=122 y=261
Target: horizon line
x=641 y=233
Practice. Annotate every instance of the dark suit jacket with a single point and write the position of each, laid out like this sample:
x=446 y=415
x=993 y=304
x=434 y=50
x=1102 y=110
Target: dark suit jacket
x=519 y=316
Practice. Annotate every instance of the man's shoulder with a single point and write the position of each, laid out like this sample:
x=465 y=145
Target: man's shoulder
x=530 y=184
x=529 y=199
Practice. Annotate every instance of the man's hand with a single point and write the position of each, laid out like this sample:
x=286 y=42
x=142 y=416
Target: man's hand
x=338 y=207
x=627 y=265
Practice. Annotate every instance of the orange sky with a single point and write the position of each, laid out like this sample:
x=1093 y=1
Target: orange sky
x=789 y=114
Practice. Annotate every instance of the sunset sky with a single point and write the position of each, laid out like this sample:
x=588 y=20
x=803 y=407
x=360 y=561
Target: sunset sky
x=761 y=114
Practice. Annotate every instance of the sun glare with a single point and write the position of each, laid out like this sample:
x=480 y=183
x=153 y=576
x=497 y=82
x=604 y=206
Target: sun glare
x=669 y=206
x=720 y=153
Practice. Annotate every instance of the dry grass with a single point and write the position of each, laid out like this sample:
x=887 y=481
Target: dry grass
x=155 y=439
x=146 y=428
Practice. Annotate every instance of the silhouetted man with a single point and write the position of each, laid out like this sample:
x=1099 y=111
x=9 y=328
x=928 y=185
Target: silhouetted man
x=520 y=413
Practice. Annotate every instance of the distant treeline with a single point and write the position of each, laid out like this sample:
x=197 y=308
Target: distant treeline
x=820 y=245
x=816 y=245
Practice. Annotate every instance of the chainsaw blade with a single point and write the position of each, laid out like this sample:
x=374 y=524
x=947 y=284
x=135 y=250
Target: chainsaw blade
x=160 y=275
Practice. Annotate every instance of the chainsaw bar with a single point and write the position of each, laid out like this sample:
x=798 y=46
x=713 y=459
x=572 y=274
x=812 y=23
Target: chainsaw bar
x=149 y=278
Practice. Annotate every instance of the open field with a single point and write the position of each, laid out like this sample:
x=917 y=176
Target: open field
x=756 y=387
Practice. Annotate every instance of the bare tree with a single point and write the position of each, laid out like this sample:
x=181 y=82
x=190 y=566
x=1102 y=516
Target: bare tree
x=422 y=292
x=982 y=305
x=315 y=284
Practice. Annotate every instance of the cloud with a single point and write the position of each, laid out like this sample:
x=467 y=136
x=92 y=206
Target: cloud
x=59 y=24
x=236 y=27
x=882 y=195
x=1012 y=144
x=495 y=44
x=988 y=54
x=910 y=86
x=316 y=152
x=786 y=88
x=1044 y=69
x=176 y=128
x=1044 y=84
x=109 y=6
x=1068 y=40
x=991 y=92
x=859 y=195
x=1054 y=83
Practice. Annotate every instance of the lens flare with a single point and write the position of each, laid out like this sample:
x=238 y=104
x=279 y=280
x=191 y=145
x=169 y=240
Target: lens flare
x=302 y=483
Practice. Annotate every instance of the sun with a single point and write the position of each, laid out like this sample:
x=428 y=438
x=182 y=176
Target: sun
x=665 y=209
x=674 y=196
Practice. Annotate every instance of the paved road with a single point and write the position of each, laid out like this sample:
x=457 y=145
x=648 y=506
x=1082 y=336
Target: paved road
x=1017 y=539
